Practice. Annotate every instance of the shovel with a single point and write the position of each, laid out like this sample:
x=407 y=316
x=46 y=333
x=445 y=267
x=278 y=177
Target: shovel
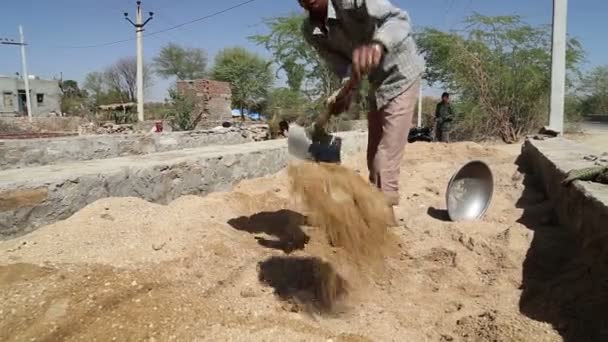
x=299 y=140
x=301 y=146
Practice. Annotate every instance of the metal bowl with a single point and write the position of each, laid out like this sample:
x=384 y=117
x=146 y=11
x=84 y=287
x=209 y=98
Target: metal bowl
x=470 y=191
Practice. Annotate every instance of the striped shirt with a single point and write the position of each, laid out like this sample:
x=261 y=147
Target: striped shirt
x=351 y=23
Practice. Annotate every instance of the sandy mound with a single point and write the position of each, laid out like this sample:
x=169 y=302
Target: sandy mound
x=245 y=266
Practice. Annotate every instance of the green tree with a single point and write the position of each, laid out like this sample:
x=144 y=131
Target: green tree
x=285 y=98
x=73 y=99
x=249 y=75
x=181 y=112
x=286 y=104
x=181 y=62
x=305 y=70
x=499 y=68
x=70 y=88
x=594 y=87
x=299 y=61
x=94 y=84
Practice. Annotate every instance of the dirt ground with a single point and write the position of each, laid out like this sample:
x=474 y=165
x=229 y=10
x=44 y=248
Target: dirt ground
x=239 y=266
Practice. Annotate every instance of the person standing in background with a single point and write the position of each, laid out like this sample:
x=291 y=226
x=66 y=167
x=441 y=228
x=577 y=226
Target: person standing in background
x=444 y=115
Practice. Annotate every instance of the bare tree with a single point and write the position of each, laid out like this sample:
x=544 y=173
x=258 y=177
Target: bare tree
x=122 y=77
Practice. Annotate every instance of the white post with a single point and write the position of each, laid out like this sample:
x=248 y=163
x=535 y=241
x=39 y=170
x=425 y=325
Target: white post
x=26 y=77
x=420 y=105
x=558 y=67
x=140 y=64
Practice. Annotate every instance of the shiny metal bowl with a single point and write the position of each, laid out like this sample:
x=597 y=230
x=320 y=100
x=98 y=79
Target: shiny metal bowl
x=470 y=191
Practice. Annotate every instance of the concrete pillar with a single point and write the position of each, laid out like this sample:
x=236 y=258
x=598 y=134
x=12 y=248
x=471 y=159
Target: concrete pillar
x=558 y=65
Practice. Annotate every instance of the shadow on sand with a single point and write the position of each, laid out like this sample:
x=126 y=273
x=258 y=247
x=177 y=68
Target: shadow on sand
x=563 y=283
x=309 y=281
x=285 y=225
x=438 y=214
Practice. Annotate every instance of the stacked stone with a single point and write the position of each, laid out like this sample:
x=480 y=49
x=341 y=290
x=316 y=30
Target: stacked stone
x=105 y=128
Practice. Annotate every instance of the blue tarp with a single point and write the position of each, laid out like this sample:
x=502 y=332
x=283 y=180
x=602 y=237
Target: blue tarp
x=251 y=115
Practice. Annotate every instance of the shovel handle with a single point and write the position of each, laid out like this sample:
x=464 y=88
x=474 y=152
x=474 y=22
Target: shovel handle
x=323 y=118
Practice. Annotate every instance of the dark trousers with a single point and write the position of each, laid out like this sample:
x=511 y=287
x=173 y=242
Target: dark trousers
x=442 y=134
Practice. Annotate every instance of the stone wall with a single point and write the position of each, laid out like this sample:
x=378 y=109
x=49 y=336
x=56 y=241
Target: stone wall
x=581 y=206
x=37 y=196
x=213 y=98
x=50 y=124
x=22 y=153
x=357 y=125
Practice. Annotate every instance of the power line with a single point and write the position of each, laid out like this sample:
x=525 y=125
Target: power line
x=203 y=18
x=166 y=21
x=241 y=4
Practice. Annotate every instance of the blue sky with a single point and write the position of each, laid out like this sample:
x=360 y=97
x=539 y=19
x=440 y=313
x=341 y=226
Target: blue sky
x=51 y=26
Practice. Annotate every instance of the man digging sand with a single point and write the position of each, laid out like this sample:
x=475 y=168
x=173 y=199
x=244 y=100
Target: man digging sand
x=373 y=38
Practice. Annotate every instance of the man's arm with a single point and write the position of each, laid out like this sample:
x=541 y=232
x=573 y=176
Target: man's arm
x=393 y=24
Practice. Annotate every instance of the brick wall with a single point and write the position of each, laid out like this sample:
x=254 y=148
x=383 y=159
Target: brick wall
x=213 y=98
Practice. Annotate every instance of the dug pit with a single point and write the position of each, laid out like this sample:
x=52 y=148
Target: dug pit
x=241 y=265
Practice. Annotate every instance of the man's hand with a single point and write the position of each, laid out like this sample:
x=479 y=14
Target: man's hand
x=366 y=58
x=339 y=104
x=318 y=134
x=340 y=101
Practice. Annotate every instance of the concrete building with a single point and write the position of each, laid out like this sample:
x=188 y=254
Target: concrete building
x=45 y=96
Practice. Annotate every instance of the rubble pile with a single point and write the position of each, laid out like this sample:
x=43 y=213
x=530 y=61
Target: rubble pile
x=259 y=132
x=105 y=128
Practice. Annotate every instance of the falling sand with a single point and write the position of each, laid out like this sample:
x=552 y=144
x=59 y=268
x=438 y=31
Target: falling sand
x=352 y=214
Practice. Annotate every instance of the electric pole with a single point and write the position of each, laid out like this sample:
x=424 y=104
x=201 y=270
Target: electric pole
x=139 y=30
x=25 y=76
x=558 y=65
x=420 y=105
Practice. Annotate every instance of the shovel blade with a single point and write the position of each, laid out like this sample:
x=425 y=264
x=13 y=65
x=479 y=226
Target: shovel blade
x=301 y=146
x=298 y=144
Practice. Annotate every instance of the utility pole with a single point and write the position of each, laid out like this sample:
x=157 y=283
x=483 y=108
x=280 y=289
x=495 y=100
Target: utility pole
x=420 y=105
x=25 y=76
x=139 y=30
x=558 y=65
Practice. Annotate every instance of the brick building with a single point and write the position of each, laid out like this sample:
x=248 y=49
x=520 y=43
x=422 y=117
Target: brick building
x=213 y=98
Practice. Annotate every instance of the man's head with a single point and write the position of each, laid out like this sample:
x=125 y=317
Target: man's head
x=445 y=97
x=283 y=126
x=314 y=5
